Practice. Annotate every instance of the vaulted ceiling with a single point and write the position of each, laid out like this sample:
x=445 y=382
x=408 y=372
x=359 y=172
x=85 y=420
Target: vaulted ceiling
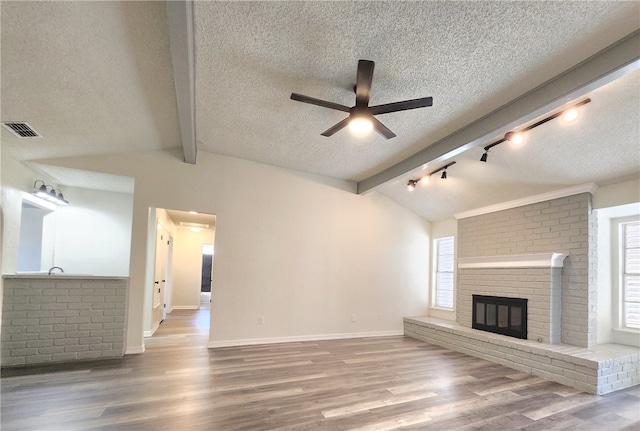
x=100 y=77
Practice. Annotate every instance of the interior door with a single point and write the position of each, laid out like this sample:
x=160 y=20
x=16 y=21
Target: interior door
x=159 y=280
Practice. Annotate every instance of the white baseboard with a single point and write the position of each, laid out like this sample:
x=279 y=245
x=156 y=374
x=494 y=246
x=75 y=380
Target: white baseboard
x=153 y=330
x=298 y=338
x=185 y=307
x=134 y=350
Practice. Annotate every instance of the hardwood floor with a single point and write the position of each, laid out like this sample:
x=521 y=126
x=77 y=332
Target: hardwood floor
x=370 y=384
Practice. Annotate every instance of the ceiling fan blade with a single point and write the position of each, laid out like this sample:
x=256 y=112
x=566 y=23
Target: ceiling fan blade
x=319 y=102
x=401 y=106
x=338 y=126
x=382 y=129
x=363 y=83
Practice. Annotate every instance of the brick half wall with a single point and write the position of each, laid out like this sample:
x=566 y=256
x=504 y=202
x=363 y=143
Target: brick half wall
x=59 y=318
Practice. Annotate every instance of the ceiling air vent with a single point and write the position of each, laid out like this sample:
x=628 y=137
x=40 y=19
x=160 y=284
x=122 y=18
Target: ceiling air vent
x=22 y=130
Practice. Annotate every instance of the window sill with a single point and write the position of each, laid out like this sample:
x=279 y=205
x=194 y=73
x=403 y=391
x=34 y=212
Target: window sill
x=442 y=309
x=632 y=331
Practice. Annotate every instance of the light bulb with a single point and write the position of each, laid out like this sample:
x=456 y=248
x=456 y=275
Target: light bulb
x=425 y=180
x=360 y=125
x=570 y=115
x=514 y=138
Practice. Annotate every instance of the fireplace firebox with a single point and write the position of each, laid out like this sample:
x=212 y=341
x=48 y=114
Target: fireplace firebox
x=506 y=316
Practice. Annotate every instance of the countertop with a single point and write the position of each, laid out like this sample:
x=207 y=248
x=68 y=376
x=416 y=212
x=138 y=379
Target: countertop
x=62 y=276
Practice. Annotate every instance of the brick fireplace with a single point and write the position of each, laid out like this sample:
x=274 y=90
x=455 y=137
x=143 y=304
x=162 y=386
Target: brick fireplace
x=534 y=277
x=543 y=250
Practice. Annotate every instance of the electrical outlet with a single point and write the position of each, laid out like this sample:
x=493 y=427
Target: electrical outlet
x=260 y=320
x=354 y=317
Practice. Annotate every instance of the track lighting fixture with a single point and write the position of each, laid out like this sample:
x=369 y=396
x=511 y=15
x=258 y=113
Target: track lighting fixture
x=514 y=138
x=48 y=193
x=412 y=184
x=517 y=138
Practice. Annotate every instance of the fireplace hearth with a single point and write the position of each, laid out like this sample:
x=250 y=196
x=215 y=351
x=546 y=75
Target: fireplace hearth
x=500 y=315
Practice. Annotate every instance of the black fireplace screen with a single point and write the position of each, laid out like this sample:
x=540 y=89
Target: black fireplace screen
x=506 y=316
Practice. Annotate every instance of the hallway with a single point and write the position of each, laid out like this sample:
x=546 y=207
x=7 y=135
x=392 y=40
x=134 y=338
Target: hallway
x=367 y=384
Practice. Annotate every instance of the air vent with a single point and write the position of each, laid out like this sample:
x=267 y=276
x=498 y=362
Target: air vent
x=22 y=130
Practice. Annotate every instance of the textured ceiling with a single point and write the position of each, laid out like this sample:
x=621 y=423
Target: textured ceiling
x=471 y=57
x=602 y=145
x=97 y=78
x=91 y=77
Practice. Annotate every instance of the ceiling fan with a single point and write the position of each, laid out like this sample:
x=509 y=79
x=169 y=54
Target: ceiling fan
x=361 y=116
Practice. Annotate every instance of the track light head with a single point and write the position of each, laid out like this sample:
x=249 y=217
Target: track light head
x=411 y=185
x=444 y=175
x=514 y=138
x=484 y=156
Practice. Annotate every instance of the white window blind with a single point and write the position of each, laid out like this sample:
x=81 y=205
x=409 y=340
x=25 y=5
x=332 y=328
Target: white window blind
x=444 y=272
x=631 y=275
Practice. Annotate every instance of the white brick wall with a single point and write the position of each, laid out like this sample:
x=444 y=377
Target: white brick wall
x=565 y=225
x=599 y=370
x=58 y=318
x=541 y=286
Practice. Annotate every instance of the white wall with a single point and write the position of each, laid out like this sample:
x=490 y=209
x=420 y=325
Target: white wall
x=303 y=251
x=91 y=236
x=441 y=229
x=30 y=246
x=617 y=194
x=16 y=180
x=187 y=266
x=93 y=233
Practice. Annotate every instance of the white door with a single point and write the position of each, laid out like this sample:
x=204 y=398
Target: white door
x=159 y=278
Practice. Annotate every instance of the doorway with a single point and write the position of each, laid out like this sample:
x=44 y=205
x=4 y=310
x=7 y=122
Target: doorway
x=182 y=243
x=207 y=276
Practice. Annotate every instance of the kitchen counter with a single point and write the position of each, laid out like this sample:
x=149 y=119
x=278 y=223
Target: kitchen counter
x=39 y=275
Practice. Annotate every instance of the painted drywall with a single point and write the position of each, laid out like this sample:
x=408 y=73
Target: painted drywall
x=614 y=195
x=93 y=234
x=187 y=261
x=17 y=179
x=304 y=252
x=30 y=246
x=441 y=229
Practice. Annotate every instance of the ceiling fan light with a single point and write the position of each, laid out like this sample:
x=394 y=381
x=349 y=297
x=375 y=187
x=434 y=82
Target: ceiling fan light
x=360 y=125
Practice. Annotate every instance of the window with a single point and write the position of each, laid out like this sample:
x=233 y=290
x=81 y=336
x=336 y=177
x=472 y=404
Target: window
x=444 y=273
x=630 y=276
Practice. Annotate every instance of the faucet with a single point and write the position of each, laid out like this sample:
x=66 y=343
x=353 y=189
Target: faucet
x=55 y=267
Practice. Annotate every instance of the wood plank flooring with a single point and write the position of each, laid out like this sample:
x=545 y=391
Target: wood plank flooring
x=371 y=384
